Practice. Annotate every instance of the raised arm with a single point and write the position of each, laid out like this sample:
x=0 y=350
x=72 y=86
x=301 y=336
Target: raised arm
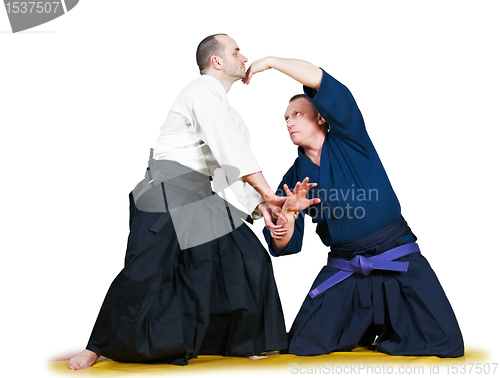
x=333 y=100
x=304 y=72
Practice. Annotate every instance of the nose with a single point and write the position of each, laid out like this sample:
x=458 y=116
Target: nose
x=243 y=58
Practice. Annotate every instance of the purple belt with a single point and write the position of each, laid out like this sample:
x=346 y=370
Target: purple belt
x=364 y=265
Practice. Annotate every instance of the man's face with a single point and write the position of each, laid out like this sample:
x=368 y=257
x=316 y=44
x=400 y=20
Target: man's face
x=233 y=60
x=302 y=123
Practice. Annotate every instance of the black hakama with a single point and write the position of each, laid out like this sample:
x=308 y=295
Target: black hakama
x=170 y=304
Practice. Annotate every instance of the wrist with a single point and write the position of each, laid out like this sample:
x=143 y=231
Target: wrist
x=288 y=212
x=271 y=61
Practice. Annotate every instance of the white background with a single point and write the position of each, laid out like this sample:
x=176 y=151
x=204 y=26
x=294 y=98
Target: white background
x=82 y=99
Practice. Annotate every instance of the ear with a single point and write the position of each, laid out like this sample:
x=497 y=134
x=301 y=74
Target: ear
x=321 y=120
x=216 y=62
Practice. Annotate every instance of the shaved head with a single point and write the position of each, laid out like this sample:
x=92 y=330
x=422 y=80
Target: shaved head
x=210 y=46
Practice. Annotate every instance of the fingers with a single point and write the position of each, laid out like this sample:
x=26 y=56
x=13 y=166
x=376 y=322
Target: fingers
x=310 y=186
x=297 y=200
x=300 y=186
x=279 y=233
x=274 y=236
x=257 y=66
x=248 y=76
x=271 y=226
x=287 y=190
x=306 y=186
x=297 y=186
x=268 y=218
x=303 y=184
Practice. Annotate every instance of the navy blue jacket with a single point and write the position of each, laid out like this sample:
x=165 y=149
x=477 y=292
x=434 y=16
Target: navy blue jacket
x=357 y=196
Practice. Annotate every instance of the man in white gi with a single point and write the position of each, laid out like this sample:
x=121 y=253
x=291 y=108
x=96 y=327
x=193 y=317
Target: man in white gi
x=196 y=279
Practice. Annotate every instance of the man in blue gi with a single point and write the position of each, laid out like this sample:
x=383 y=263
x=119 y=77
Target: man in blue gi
x=376 y=282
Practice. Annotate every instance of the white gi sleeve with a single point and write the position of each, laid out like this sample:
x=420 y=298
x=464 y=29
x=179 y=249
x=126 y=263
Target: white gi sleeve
x=217 y=125
x=248 y=197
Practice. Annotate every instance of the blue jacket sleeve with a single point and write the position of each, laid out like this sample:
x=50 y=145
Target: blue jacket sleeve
x=336 y=104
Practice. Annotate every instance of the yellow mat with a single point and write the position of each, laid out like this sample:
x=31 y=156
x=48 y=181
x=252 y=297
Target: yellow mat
x=359 y=361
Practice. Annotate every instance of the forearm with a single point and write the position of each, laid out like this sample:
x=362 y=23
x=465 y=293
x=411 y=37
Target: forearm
x=279 y=245
x=259 y=183
x=304 y=72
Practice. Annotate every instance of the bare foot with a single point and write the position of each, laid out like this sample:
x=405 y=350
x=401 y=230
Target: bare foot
x=83 y=360
x=257 y=357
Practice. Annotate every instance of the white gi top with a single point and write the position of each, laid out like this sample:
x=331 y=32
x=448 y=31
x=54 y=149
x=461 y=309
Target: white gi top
x=203 y=132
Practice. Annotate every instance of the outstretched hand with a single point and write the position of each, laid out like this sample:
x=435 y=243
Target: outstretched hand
x=297 y=200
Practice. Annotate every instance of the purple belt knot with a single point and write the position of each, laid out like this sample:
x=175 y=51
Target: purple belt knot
x=365 y=265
